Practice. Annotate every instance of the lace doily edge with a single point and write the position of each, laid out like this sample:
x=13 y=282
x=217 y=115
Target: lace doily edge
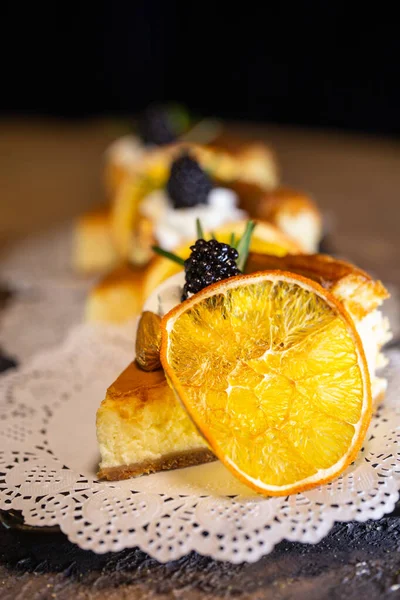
x=268 y=546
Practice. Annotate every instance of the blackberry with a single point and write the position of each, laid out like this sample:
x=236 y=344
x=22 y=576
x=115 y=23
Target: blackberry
x=208 y=263
x=155 y=126
x=188 y=184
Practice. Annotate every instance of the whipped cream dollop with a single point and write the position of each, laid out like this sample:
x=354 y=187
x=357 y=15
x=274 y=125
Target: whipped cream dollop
x=174 y=226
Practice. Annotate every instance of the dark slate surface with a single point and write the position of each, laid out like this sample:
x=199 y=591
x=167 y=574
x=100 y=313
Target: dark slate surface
x=355 y=561
x=6 y=361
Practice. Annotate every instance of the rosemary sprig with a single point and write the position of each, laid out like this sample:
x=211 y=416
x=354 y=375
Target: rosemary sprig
x=243 y=246
x=169 y=255
x=199 y=230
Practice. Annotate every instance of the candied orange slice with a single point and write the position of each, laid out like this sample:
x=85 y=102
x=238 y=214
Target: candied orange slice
x=271 y=369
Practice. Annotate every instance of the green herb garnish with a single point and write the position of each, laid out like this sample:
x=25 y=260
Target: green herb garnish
x=199 y=230
x=242 y=245
x=169 y=255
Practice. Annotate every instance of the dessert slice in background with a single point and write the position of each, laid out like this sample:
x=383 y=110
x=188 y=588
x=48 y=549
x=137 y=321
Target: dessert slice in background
x=153 y=193
x=138 y=199
x=93 y=247
x=257 y=161
x=118 y=297
x=157 y=125
x=169 y=124
x=160 y=204
x=141 y=206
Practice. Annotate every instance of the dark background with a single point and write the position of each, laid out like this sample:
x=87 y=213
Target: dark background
x=320 y=64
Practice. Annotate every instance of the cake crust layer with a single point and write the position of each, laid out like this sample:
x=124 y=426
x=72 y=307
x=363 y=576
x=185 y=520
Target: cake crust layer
x=174 y=460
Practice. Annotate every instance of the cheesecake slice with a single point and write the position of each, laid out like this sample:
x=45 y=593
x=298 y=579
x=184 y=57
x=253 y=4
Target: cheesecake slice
x=141 y=426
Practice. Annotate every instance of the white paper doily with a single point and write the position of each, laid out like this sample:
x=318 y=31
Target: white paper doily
x=34 y=320
x=48 y=460
x=42 y=261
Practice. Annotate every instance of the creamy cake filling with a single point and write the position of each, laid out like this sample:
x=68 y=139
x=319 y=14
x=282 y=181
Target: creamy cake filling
x=126 y=440
x=374 y=331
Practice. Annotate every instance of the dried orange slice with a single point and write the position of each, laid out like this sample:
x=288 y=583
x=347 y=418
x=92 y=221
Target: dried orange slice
x=272 y=371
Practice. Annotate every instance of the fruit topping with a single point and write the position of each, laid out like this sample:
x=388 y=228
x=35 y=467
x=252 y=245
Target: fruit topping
x=188 y=184
x=208 y=263
x=156 y=126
